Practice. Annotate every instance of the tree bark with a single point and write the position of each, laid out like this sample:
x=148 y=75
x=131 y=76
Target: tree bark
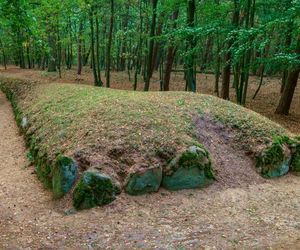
x=285 y=102
x=79 y=51
x=98 y=67
x=189 y=65
x=170 y=57
x=108 y=52
x=151 y=45
x=52 y=55
x=93 y=59
x=155 y=58
x=227 y=67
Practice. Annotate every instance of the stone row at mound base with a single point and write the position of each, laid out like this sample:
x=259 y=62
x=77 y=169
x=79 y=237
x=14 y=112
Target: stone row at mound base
x=191 y=167
x=279 y=157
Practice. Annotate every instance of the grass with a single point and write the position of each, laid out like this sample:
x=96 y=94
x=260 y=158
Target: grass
x=65 y=117
x=141 y=127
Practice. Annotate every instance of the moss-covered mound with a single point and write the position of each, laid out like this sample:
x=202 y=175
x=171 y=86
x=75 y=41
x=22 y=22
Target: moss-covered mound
x=140 y=141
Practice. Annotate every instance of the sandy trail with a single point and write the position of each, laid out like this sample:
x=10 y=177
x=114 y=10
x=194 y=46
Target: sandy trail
x=258 y=216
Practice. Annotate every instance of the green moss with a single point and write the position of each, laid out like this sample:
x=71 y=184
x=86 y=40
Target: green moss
x=64 y=174
x=295 y=162
x=196 y=157
x=43 y=171
x=274 y=161
x=187 y=178
x=191 y=169
x=93 y=189
x=148 y=181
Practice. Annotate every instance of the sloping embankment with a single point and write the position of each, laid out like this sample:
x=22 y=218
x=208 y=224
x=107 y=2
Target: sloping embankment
x=97 y=142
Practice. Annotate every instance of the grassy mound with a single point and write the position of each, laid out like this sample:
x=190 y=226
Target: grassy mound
x=123 y=133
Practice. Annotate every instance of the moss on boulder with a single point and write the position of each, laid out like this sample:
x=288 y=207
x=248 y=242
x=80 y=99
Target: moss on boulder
x=295 y=161
x=274 y=161
x=93 y=189
x=144 y=180
x=191 y=169
x=43 y=171
x=64 y=174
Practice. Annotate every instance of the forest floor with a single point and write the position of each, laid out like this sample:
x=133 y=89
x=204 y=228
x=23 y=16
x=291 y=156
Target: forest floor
x=265 y=102
x=256 y=214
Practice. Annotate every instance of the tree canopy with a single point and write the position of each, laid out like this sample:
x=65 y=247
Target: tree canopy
x=231 y=37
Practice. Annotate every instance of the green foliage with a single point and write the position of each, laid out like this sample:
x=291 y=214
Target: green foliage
x=273 y=155
x=295 y=161
x=26 y=28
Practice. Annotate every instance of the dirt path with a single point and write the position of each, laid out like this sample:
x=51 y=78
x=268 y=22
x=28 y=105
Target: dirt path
x=260 y=216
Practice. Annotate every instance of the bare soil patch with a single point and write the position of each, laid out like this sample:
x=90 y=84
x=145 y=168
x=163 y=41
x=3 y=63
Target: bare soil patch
x=234 y=167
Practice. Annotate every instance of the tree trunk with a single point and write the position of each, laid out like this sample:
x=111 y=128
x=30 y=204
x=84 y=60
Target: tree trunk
x=189 y=65
x=227 y=67
x=151 y=45
x=93 y=59
x=155 y=59
x=124 y=42
x=170 y=57
x=285 y=102
x=79 y=48
x=3 y=55
x=251 y=10
x=108 y=52
x=207 y=53
x=98 y=67
x=217 y=69
x=58 y=53
x=52 y=60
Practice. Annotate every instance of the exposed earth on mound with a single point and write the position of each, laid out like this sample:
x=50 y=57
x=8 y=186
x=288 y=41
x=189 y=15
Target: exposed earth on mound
x=233 y=167
x=251 y=213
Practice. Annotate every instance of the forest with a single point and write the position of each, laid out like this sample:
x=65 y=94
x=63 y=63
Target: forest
x=230 y=39
x=149 y=124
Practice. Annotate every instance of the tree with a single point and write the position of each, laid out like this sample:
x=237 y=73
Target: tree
x=284 y=105
x=142 y=37
x=227 y=67
x=170 y=56
x=109 y=44
x=189 y=65
x=151 y=45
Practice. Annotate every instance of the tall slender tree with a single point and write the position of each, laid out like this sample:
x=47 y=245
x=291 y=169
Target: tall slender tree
x=109 y=44
x=190 y=73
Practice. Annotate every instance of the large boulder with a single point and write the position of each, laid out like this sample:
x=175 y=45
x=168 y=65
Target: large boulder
x=42 y=167
x=191 y=169
x=143 y=179
x=64 y=174
x=93 y=189
x=295 y=161
x=274 y=160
